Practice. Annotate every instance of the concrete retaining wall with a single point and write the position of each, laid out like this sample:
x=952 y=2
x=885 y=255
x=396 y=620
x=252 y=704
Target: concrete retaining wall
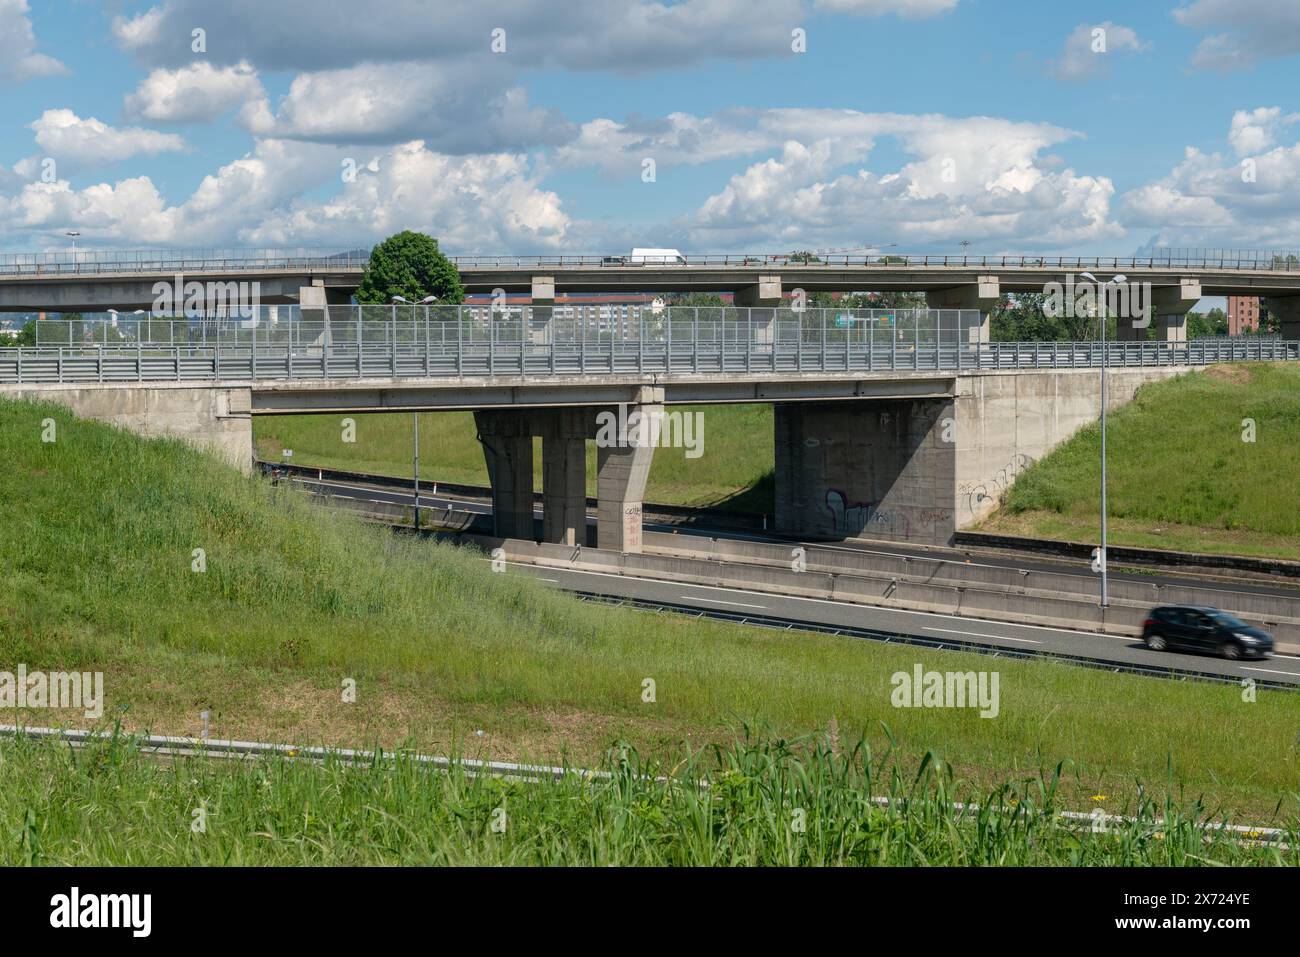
x=976 y=601
x=216 y=419
x=1007 y=421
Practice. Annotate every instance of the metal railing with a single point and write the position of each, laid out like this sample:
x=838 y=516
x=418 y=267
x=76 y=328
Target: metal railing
x=168 y=261
x=384 y=342
x=305 y=259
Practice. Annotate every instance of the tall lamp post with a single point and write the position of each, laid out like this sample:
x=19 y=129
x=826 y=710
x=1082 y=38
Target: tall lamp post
x=415 y=419
x=1102 y=312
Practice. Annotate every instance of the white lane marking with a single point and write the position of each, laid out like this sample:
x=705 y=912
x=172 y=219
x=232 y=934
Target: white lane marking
x=1270 y=671
x=974 y=634
x=715 y=601
x=553 y=581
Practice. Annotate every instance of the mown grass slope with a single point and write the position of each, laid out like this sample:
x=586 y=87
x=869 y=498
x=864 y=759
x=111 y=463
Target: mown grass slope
x=98 y=532
x=1209 y=461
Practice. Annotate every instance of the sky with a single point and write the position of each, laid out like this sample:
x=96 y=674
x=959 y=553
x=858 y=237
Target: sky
x=540 y=126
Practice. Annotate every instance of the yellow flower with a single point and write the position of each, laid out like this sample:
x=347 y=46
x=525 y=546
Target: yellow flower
x=1099 y=797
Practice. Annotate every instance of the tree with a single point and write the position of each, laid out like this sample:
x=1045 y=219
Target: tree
x=409 y=265
x=27 y=334
x=1213 y=323
x=696 y=299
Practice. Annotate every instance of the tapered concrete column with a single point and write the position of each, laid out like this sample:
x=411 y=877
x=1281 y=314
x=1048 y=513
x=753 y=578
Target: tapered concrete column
x=766 y=292
x=1287 y=309
x=564 y=477
x=1170 y=305
x=621 y=472
x=543 y=302
x=983 y=294
x=313 y=303
x=508 y=451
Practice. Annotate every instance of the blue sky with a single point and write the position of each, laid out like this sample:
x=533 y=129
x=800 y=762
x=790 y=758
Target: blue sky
x=1018 y=126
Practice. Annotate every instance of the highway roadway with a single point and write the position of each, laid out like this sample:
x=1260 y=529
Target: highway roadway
x=975 y=634
x=972 y=634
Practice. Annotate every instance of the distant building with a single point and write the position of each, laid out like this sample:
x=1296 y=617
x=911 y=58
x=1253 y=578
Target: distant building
x=1243 y=315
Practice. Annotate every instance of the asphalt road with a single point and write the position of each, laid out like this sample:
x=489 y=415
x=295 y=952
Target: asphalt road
x=975 y=633
x=983 y=633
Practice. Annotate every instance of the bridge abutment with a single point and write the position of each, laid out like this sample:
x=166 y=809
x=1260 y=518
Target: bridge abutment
x=215 y=419
x=866 y=469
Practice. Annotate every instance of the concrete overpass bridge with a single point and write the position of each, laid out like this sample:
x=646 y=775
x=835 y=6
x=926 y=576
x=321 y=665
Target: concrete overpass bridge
x=889 y=424
x=85 y=281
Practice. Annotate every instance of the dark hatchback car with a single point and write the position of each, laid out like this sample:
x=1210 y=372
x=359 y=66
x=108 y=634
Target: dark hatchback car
x=1199 y=628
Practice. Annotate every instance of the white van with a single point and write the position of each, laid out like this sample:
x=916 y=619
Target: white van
x=656 y=257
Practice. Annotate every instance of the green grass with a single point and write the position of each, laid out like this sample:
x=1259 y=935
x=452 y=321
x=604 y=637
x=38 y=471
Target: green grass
x=733 y=471
x=96 y=557
x=1179 y=474
x=765 y=803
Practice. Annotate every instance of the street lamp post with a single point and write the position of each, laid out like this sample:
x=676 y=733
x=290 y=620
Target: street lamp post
x=415 y=416
x=1116 y=280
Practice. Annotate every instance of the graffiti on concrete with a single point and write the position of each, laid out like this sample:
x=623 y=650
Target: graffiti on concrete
x=868 y=517
x=975 y=494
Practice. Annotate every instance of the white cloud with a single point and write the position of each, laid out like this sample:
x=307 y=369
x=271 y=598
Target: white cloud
x=623 y=35
x=1257 y=130
x=77 y=143
x=457 y=109
x=1213 y=200
x=1251 y=30
x=19 y=60
x=194 y=94
x=978 y=177
x=910 y=9
x=1088 y=46
x=468 y=202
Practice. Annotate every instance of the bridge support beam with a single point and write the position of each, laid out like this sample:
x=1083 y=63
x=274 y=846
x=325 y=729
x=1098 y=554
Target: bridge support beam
x=983 y=294
x=766 y=293
x=880 y=469
x=1287 y=309
x=508 y=451
x=1170 y=305
x=564 y=476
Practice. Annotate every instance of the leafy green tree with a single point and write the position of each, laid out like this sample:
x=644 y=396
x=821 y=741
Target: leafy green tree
x=805 y=256
x=409 y=265
x=27 y=334
x=1213 y=323
x=695 y=299
x=868 y=300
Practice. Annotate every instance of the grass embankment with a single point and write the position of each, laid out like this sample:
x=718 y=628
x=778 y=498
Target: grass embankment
x=733 y=470
x=1180 y=472
x=97 y=539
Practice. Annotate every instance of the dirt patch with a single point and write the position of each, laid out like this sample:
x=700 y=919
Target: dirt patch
x=1236 y=374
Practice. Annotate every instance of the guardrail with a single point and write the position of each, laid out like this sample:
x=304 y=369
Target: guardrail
x=161 y=261
x=576 y=359
x=304 y=259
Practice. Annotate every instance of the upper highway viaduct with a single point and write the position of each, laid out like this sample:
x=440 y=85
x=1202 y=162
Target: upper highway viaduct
x=125 y=279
